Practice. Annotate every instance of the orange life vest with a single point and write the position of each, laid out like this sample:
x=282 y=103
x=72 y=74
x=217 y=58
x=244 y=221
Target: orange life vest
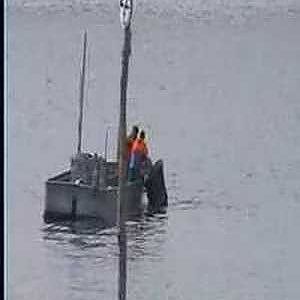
x=130 y=142
x=139 y=147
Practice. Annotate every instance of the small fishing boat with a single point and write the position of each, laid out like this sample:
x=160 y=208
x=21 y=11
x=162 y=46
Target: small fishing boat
x=89 y=188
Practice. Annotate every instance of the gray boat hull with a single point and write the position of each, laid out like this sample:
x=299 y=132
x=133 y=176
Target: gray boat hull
x=68 y=200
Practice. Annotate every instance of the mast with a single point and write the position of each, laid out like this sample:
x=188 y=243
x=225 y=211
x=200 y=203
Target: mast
x=81 y=95
x=125 y=18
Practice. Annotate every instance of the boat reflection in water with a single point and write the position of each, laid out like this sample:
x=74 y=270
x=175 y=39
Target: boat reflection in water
x=146 y=233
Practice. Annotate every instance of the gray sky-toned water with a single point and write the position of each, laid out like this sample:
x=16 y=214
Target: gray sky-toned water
x=216 y=86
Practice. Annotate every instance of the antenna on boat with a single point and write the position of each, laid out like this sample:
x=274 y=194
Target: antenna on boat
x=81 y=92
x=106 y=142
x=125 y=19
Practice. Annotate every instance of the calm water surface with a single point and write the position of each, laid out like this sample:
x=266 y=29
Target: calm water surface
x=216 y=86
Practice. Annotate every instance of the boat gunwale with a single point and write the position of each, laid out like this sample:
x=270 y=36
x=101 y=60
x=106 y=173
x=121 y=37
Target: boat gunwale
x=54 y=181
x=63 y=173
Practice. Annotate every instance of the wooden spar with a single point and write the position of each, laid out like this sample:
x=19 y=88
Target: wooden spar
x=81 y=95
x=125 y=14
x=123 y=166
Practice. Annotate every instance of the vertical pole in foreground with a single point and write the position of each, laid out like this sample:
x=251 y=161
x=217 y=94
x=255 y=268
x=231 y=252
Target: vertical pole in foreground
x=123 y=168
x=125 y=17
x=81 y=95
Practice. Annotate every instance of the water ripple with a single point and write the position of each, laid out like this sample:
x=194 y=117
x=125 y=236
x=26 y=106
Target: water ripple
x=144 y=236
x=232 y=11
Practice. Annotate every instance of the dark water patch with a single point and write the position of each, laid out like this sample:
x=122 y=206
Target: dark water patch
x=248 y=175
x=81 y=234
x=82 y=227
x=145 y=236
x=297 y=197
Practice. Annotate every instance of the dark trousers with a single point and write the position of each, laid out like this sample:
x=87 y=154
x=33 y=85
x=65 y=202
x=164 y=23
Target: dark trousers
x=133 y=174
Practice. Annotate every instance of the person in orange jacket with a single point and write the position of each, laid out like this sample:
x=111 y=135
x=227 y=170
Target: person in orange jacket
x=131 y=138
x=138 y=157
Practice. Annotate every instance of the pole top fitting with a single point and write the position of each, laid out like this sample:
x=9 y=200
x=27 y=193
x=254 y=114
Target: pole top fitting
x=126 y=8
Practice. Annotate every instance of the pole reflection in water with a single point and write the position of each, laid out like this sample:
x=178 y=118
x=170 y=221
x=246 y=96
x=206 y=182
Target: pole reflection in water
x=85 y=254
